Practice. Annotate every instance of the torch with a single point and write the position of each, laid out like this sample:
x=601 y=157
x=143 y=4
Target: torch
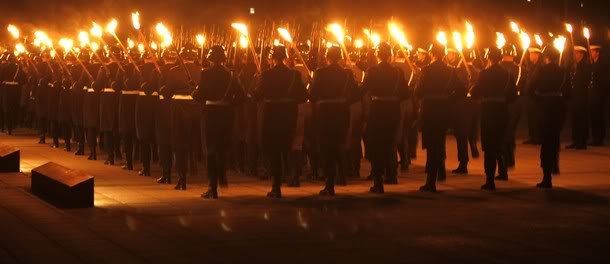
x=97 y=31
x=470 y=43
x=525 y=44
x=288 y=38
x=457 y=40
x=441 y=38
x=19 y=48
x=111 y=28
x=83 y=38
x=201 y=41
x=243 y=30
x=337 y=31
x=587 y=34
x=559 y=43
x=167 y=40
x=135 y=21
x=500 y=40
x=400 y=37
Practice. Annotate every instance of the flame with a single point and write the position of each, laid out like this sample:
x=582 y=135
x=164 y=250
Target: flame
x=83 y=38
x=67 y=44
x=153 y=46
x=398 y=35
x=141 y=48
x=586 y=33
x=469 y=27
x=94 y=46
x=551 y=34
x=500 y=40
x=525 y=40
x=276 y=42
x=53 y=53
x=44 y=39
x=329 y=44
x=374 y=37
x=112 y=25
x=441 y=37
x=164 y=33
x=569 y=28
x=19 y=49
x=538 y=40
x=135 y=20
x=559 y=43
x=36 y=42
x=242 y=28
x=243 y=41
x=200 y=39
x=469 y=35
x=457 y=41
x=130 y=43
x=358 y=43
x=514 y=27
x=285 y=34
x=336 y=30
x=14 y=31
x=96 y=30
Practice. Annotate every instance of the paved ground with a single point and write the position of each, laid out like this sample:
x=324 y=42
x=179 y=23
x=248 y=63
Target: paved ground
x=138 y=221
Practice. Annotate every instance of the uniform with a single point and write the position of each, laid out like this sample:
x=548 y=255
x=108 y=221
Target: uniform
x=109 y=100
x=12 y=80
x=514 y=117
x=531 y=108
x=41 y=101
x=597 y=100
x=130 y=91
x=163 y=126
x=145 y=112
x=580 y=78
x=91 y=108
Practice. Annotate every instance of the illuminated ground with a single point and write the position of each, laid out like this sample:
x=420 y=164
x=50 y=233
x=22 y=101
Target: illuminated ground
x=137 y=220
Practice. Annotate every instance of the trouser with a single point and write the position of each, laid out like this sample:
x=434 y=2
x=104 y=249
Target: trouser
x=110 y=143
x=598 y=122
x=182 y=163
x=412 y=141
x=79 y=136
x=580 y=124
x=66 y=134
x=404 y=154
x=165 y=158
x=276 y=158
x=462 y=148
x=494 y=157
x=216 y=169
x=533 y=120
x=92 y=134
x=55 y=131
x=381 y=162
x=128 y=148
x=252 y=160
x=331 y=160
x=42 y=127
x=145 y=153
x=10 y=119
x=435 y=156
x=391 y=171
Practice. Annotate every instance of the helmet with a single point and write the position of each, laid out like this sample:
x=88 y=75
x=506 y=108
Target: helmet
x=551 y=54
x=278 y=52
x=189 y=52
x=84 y=54
x=114 y=51
x=169 y=55
x=334 y=53
x=217 y=54
x=70 y=58
x=384 y=51
x=493 y=54
x=437 y=50
x=509 y=50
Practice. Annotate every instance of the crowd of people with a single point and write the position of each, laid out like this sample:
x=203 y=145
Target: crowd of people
x=180 y=109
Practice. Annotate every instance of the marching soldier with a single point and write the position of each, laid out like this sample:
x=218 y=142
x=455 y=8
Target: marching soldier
x=181 y=81
x=41 y=96
x=597 y=94
x=218 y=91
x=281 y=90
x=550 y=90
x=64 y=114
x=146 y=110
x=387 y=87
x=580 y=77
x=12 y=78
x=495 y=89
x=332 y=92
x=82 y=82
x=438 y=83
x=110 y=78
x=127 y=105
x=163 y=118
x=514 y=109
x=53 y=100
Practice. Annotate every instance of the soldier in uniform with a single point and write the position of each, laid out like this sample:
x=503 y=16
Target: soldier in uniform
x=495 y=89
x=218 y=92
x=41 y=97
x=110 y=78
x=514 y=109
x=438 y=83
x=82 y=82
x=387 y=87
x=64 y=114
x=53 y=99
x=597 y=94
x=12 y=78
x=549 y=91
x=130 y=90
x=281 y=90
x=533 y=115
x=146 y=110
x=580 y=77
x=163 y=117
x=91 y=103
x=332 y=92
x=184 y=111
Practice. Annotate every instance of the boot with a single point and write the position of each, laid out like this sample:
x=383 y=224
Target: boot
x=55 y=143
x=377 y=185
x=546 y=182
x=68 y=146
x=210 y=194
x=442 y=174
x=430 y=185
x=166 y=178
x=327 y=192
x=109 y=161
x=489 y=185
x=461 y=169
x=275 y=193
x=181 y=185
x=80 y=151
x=42 y=140
x=92 y=156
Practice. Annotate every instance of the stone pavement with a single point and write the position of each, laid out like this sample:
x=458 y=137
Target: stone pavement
x=136 y=220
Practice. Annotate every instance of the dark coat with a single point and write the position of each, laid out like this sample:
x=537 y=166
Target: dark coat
x=146 y=103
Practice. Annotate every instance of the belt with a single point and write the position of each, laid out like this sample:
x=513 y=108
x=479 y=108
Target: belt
x=11 y=83
x=384 y=99
x=161 y=97
x=493 y=100
x=152 y=94
x=182 y=97
x=108 y=90
x=331 y=101
x=217 y=102
x=90 y=90
x=51 y=85
x=279 y=101
x=130 y=92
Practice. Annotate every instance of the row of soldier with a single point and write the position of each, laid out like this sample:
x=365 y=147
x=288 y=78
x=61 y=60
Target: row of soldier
x=177 y=109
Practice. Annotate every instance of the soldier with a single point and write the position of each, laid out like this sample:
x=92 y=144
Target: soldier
x=41 y=97
x=531 y=110
x=91 y=103
x=549 y=91
x=64 y=114
x=495 y=89
x=281 y=90
x=53 y=99
x=438 y=83
x=580 y=77
x=12 y=78
x=387 y=87
x=110 y=78
x=146 y=110
x=514 y=109
x=597 y=95
x=163 y=118
x=82 y=82
x=127 y=105
x=332 y=92
x=181 y=81
x=218 y=91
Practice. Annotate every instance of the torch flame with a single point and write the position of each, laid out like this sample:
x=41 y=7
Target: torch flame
x=112 y=25
x=67 y=44
x=164 y=33
x=358 y=43
x=135 y=20
x=569 y=28
x=469 y=27
x=53 y=53
x=200 y=39
x=586 y=33
x=96 y=30
x=83 y=38
x=538 y=39
x=43 y=38
x=243 y=41
x=457 y=41
x=500 y=40
x=559 y=43
x=285 y=34
x=441 y=37
x=525 y=40
x=336 y=30
x=514 y=27
x=374 y=37
x=141 y=48
x=14 y=31
x=242 y=28
x=94 y=46
x=153 y=46
x=398 y=35
x=130 y=43
x=469 y=35
x=19 y=48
